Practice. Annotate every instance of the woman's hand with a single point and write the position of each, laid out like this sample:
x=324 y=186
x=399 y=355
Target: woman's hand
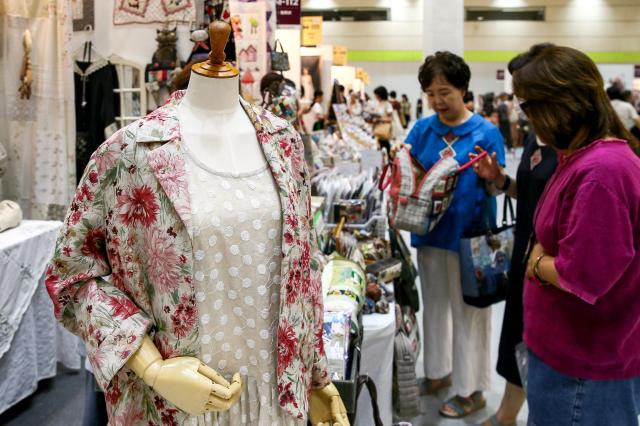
x=533 y=258
x=487 y=168
x=396 y=148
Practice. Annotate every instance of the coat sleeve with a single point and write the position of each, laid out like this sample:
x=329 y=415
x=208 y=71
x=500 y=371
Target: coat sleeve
x=319 y=375
x=104 y=316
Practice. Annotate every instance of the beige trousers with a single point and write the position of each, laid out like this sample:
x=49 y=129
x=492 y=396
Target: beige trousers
x=456 y=335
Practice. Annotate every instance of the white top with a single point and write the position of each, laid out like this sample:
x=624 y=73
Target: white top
x=237 y=231
x=384 y=108
x=626 y=112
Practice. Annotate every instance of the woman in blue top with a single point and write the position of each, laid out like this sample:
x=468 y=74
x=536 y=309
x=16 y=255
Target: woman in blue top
x=457 y=336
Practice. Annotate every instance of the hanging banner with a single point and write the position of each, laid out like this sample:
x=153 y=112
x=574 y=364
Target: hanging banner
x=288 y=12
x=248 y=21
x=339 y=55
x=311 y=30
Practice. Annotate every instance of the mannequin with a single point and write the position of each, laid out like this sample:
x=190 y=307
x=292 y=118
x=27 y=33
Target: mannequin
x=217 y=132
x=216 y=128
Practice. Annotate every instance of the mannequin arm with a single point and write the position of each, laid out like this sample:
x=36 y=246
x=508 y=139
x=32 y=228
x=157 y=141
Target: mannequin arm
x=184 y=381
x=81 y=297
x=326 y=407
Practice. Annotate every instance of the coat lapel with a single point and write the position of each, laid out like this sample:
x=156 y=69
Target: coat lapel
x=267 y=129
x=167 y=161
x=168 y=166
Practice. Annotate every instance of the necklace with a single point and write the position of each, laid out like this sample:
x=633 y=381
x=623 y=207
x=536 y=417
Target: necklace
x=449 y=140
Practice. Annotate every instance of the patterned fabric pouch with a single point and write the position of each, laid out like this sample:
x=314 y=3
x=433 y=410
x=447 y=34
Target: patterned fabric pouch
x=485 y=260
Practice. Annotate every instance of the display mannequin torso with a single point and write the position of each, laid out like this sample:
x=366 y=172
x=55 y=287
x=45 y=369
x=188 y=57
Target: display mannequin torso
x=215 y=127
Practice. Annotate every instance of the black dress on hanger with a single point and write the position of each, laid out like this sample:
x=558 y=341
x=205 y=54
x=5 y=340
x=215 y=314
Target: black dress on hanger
x=97 y=106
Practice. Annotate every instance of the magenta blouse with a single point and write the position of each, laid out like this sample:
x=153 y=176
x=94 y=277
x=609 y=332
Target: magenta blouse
x=589 y=220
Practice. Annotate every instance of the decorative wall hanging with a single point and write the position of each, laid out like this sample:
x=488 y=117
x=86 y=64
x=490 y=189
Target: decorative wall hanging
x=83 y=16
x=248 y=21
x=149 y=11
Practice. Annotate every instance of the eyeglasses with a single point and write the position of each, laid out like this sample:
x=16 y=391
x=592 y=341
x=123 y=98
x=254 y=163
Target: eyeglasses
x=521 y=106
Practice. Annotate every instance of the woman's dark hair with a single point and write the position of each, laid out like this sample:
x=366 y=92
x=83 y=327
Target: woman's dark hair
x=318 y=93
x=468 y=97
x=613 y=92
x=448 y=65
x=393 y=94
x=270 y=82
x=626 y=95
x=381 y=92
x=404 y=96
x=562 y=93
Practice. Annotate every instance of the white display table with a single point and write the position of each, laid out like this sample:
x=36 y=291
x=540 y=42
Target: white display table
x=377 y=363
x=31 y=340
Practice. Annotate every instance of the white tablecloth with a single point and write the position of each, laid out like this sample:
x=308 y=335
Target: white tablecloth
x=31 y=340
x=377 y=363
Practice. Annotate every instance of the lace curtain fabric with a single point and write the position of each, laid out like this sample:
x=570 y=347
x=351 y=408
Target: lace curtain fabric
x=38 y=133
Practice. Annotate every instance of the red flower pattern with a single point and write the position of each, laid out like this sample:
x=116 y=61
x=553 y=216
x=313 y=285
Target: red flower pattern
x=287 y=343
x=138 y=207
x=93 y=245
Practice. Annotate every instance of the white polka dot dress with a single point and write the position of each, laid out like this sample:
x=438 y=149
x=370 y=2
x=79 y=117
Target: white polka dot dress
x=237 y=232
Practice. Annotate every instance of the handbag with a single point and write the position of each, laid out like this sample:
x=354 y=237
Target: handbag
x=382 y=131
x=279 y=59
x=364 y=380
x=485 y=260
x=419 y=198
x=406 y=292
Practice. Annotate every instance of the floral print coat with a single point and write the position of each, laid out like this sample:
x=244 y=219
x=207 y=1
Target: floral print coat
x=130 y=221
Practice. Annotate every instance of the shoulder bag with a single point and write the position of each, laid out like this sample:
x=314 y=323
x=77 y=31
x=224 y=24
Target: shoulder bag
x=485 y=261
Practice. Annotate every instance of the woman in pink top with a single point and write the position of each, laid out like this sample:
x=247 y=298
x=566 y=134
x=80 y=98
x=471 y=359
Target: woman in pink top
x=582 y=295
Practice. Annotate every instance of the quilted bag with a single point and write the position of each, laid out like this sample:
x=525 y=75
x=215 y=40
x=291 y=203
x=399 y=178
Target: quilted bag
x=419 y=198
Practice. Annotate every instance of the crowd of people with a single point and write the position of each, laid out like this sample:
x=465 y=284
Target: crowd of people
x=571 y=300
x=576 y=261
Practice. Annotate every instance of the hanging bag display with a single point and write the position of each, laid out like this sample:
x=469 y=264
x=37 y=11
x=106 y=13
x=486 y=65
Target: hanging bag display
x=485 y=260
x=419 y=198
x=279 y=59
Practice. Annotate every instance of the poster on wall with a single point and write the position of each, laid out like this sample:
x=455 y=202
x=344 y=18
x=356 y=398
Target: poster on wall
x=83 y=16
x=150 y=11
x=311 y=30
x=248 y=21
x=339 y=55
x=288 y=12
x=310 y=80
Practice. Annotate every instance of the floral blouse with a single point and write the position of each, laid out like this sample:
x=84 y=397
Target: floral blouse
x=130 y=221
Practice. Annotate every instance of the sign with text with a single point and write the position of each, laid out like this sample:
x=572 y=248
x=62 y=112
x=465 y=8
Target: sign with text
x=311 y=30
x=288 y=12
x=339 y=55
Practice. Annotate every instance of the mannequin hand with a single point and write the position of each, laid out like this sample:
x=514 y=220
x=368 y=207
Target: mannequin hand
x=326 y=407
x=487 y=168
x=185 y=381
